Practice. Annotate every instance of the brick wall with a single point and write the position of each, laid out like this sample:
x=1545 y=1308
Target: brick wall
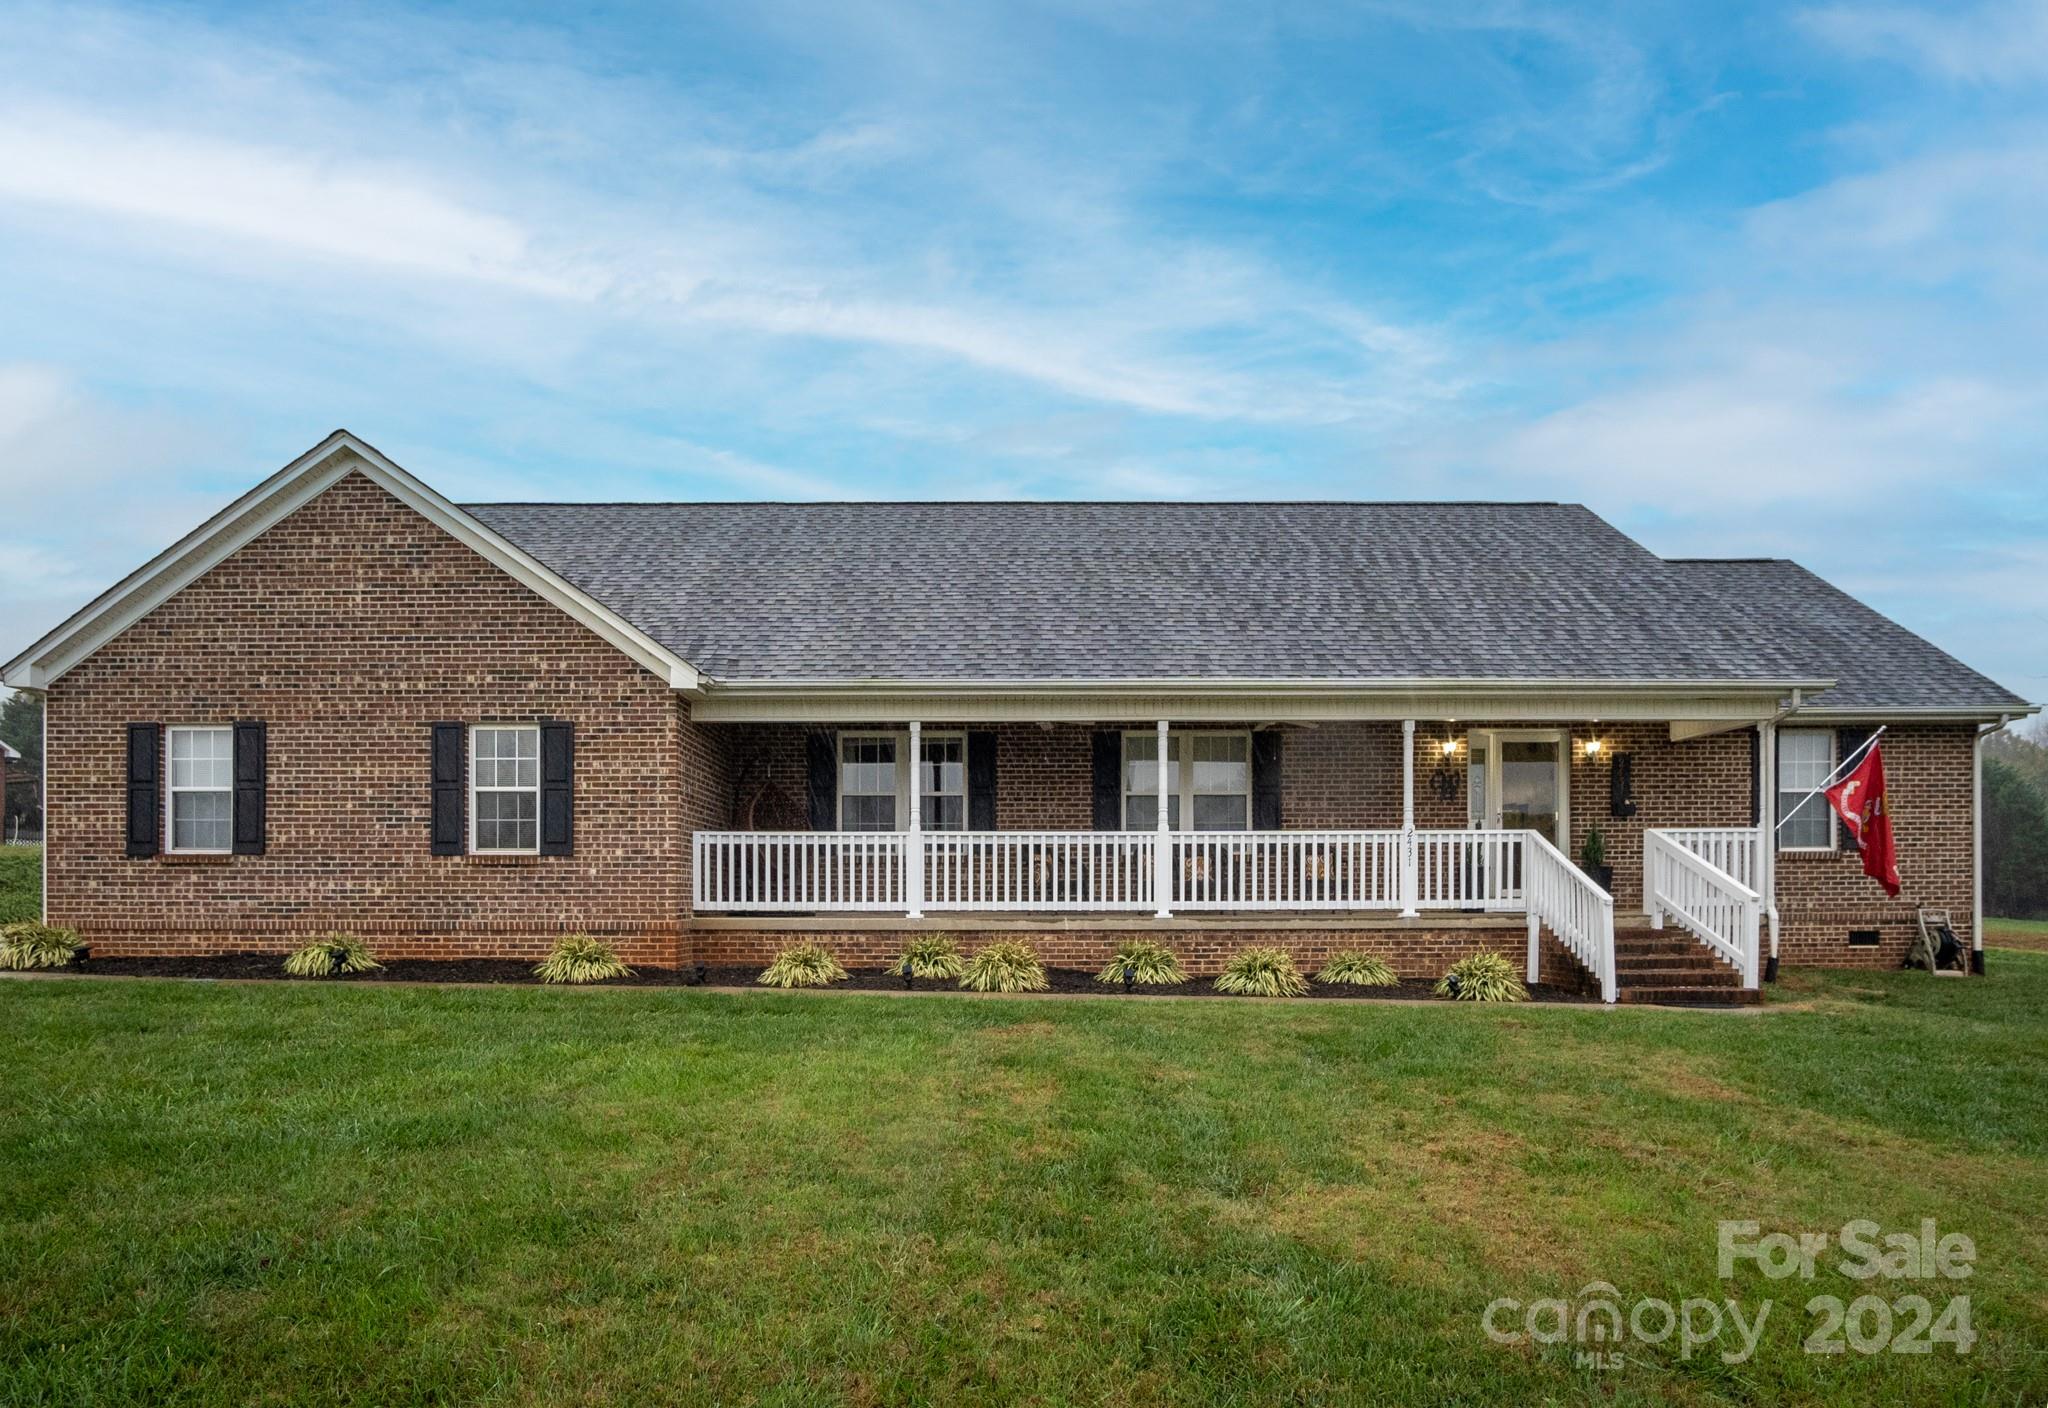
x=1822 y=896
x=349 y=628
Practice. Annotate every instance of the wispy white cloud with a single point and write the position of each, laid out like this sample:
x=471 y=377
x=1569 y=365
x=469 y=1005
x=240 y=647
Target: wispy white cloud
x=2000 y=41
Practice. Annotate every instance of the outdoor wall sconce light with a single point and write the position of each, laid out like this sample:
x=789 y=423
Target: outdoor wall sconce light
x=1450 y=747
x=1592 y=747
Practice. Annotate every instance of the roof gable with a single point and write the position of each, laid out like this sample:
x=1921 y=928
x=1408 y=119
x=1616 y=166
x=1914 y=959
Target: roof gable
x=297 y=484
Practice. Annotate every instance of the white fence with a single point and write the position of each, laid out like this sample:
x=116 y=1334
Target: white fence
x=1710 y=903
x=1581 y=914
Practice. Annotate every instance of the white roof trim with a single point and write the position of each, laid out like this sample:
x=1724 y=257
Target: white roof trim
x=283 y=493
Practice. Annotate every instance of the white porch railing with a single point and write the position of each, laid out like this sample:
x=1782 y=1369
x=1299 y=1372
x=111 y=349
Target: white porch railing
x=1101 y=871
x=1561 y=896
x=1286 y=870
x=1729 y=848
x=1713 y=905
x=1038 y=870
x=780 y=871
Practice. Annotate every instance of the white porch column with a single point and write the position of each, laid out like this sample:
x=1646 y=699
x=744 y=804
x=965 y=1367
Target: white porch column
x=1767 y=832
x=1409 y=886
x=1162 y=843
x=913 y=844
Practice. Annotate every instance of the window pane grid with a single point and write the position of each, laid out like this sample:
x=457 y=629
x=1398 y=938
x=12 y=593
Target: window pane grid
x=942 y=782
x=1208 y=778
x=200 y=798
x=867 y=783
x=505 y=789
x=1805 y=758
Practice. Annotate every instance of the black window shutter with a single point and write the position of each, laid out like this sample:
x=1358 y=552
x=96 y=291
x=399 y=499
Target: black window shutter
x=1266 y=780
x=451 y=743
x=557 y=789
x=252 y=786
x=1756 y=777
x=981 y=782
x=145 y=788
x=823 y=749
x=1109 y=780
x=1847 y=741
x=1621 y=785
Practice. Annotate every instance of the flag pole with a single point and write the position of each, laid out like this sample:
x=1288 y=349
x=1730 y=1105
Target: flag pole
x=1833 y=777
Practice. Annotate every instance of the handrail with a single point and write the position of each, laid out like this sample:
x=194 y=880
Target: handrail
x=1732 y=848
x=1562 y=897
x=1716 y=908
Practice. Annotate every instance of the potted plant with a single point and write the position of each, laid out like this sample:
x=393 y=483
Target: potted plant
x=1593 y=860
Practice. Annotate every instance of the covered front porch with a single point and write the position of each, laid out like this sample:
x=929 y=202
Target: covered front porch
x=1224 y=824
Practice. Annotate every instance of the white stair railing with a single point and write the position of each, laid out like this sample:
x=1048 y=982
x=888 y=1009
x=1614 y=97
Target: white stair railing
x=1564 y=898
x=1729 y=848
x=1706 y=900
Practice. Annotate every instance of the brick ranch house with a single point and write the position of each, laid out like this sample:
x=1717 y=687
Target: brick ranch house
x=700 y=731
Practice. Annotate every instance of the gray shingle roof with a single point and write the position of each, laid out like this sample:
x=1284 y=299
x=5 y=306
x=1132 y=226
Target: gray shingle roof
x=1080 y=591
x=1878 y=663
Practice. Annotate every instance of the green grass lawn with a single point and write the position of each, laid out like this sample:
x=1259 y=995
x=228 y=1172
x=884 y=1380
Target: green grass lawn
x=303 y=1194
x=2016 y=933
x=21 y=883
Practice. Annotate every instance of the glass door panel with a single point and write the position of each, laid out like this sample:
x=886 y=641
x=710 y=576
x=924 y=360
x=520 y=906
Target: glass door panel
x=1529 y=795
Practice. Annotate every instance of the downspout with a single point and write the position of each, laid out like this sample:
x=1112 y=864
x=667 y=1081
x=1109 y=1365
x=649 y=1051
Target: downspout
x=1976 y=840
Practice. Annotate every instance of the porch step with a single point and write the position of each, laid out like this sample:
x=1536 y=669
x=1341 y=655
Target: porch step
x=1681 y=975
x=1671 y=967
x=1683 y=995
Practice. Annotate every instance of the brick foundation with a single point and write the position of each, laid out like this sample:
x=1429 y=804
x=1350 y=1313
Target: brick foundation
x=1203 y=950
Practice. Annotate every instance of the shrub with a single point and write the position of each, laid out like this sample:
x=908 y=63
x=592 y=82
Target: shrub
x=33 y=945
x=1142 y=961
x=932 y=956
x=1005 y=967
x=1482 y=977
x=581 y=959
x=804 y=966
x=1262 y=972
x=1360 y=970
x=337 y=953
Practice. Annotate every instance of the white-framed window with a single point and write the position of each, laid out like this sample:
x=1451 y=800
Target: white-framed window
x=504 y=789
x=942 y=778
x=1805 y=758
x=199 y=804
x=1208 y=781
x=874 y=786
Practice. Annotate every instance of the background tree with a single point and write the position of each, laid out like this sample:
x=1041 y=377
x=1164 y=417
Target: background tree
x=2015 y=843
x=21 y=728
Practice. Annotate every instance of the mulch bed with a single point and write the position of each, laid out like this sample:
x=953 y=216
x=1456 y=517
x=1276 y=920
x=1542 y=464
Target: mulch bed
x=269 y=966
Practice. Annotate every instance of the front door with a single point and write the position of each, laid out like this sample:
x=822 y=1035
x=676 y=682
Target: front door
x=1521 y=781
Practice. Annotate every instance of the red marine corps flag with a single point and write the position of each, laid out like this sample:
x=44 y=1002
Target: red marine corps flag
x=1859 y=801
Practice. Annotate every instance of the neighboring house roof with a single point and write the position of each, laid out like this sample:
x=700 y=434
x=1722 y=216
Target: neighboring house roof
x=7 y=754
x=1878 y=665
x=777 y=592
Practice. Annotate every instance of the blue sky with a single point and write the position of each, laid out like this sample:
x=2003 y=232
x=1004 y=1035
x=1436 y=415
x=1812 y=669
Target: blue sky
x=1748 y=279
